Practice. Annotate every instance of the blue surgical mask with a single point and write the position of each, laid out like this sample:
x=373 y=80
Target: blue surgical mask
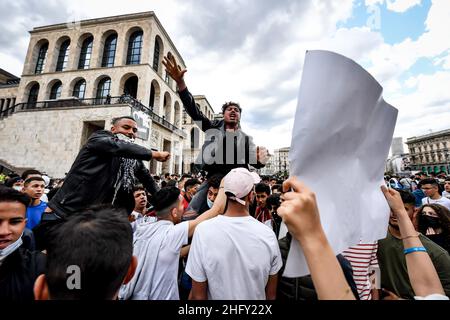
x=10 y=249
x=209 y=202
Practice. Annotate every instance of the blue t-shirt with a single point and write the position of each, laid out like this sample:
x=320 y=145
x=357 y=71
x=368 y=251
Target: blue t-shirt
x=34 y=214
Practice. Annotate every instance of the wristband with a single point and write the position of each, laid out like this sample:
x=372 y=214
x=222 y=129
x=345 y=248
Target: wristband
x=414 y=249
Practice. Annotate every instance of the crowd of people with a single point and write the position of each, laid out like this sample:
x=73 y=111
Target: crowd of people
x=111 y=230
x=231 y=249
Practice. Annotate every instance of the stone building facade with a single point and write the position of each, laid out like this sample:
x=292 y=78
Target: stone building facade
x=77 y=77
x=281 y=160
x=430 y=152
x=9 y=85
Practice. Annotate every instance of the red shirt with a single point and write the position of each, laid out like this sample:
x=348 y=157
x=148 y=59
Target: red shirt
x=262 y=214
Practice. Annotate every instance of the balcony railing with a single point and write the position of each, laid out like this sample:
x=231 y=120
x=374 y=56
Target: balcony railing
x=76 y=102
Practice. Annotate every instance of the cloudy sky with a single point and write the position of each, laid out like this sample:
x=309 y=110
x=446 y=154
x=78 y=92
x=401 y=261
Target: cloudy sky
x=252 y=51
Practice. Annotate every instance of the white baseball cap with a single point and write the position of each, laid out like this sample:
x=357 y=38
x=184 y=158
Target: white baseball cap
x=238 y=183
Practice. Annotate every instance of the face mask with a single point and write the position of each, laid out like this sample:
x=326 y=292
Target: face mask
x=209 y=202
x=10 y=249
x=428 y=221
x=123 y=137
x=18 y=188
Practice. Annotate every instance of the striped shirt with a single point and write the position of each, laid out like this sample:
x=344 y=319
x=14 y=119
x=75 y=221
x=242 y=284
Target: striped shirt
x=362 y=257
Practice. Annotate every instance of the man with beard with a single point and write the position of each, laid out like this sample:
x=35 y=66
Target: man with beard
x=104 y=172
x=226 y=146
x=391 y=258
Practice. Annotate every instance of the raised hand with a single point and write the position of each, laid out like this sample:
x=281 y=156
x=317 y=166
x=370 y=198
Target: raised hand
x=299 y=210
x=394 y=200
x=262 y=154
x=174 y=71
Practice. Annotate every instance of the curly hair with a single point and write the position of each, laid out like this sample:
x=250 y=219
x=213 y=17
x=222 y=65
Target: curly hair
x=444 y=217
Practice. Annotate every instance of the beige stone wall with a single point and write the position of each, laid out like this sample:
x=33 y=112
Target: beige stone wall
x=8 y=96
x=49 y=140
x=9 y=91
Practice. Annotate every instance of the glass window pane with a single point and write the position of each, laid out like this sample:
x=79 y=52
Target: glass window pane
x=63 y=56
x=42 y=57
x=134 y=48
x=55 y=92
x=109 y=51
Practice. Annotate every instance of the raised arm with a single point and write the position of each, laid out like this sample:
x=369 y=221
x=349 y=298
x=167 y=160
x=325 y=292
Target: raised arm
x=421 y=271
x=103 y=142
x=217 y=208
x=177 y=74
x=300 y=213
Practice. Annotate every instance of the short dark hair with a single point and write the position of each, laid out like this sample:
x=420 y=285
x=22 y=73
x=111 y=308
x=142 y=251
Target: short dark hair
x=430 y=181
x=273 y=200
x=276 y=186
x=138 y=187
x=231 y=103
x=165 y=198
x=26 y=173
x=33 y=179
x=172 y=183
x=10 y=182
x=262 y=187
x=407 y=197
x=190 y=182
x=99 y=241
x=11 y=195
x=215 y=180
x=114 y=121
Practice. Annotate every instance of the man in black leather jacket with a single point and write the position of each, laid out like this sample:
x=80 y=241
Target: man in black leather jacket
x=104 y=172
x=226 y=146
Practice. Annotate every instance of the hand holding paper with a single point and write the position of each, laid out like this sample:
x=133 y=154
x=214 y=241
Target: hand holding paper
x=341 y=138
x=299 y=211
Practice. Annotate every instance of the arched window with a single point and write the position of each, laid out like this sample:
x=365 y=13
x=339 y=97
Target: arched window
x=135 y=48
x=109 y=51
x=63 y=56
x=103 y=88
x=55 y=92
x=152 y=96
x=33 y=95
x=194 y=138
x=42 y=57
x=79 y=89
x=156 y=56
x=85 y=54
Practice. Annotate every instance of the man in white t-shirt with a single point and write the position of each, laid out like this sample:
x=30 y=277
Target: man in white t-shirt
x=234 y=256
x=446 y=192
x=157 y=246
x=431 y=189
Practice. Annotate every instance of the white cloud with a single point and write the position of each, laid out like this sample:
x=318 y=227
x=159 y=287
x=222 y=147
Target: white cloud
x=395 y=5
x=428 y=106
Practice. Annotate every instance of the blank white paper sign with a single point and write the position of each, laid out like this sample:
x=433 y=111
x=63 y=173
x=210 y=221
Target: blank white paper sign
x=341 y=138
